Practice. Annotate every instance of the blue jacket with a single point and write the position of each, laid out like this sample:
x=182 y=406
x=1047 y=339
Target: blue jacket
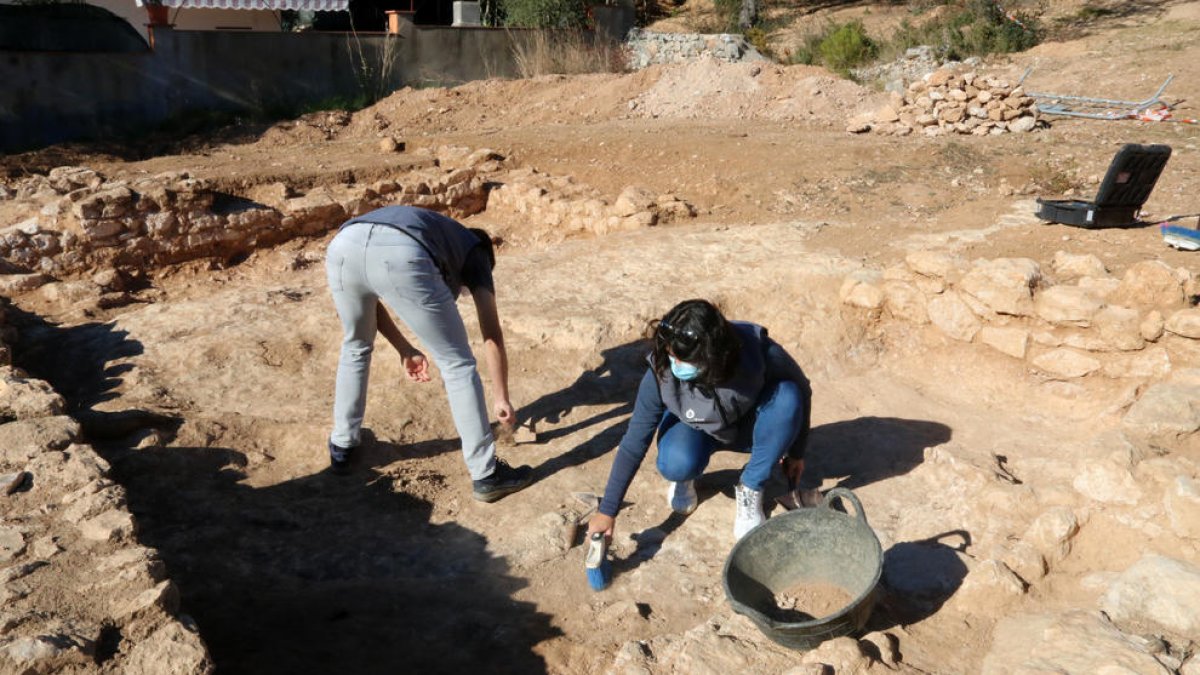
x=649 y=408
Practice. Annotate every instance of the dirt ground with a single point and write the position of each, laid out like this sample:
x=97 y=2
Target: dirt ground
x=395 y=568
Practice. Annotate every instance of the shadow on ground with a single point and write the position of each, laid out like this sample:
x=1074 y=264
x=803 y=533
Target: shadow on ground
x=326 y=573
x=862 y=451
x=919 y=577
x=318 y=574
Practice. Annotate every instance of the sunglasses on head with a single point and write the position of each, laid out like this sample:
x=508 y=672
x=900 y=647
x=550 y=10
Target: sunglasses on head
x=684 y=339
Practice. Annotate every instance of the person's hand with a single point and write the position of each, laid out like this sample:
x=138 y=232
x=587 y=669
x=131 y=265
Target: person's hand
x=505 y=414
x=793 y=468
x=416 y=367
x=601 y=523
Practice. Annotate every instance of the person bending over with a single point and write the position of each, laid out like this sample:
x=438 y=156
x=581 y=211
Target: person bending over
x=415 y=262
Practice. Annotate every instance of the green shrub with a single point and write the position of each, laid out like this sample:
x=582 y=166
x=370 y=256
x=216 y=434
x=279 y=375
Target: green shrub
x=846 y=47
x=544 y=13
x=977 y=28
x=757 y=37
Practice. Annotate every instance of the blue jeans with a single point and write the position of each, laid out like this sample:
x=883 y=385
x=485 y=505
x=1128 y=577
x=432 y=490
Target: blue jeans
x=367 y=263
x=779 y=418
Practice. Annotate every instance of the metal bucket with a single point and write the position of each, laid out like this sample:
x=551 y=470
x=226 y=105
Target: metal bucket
x=817 y=545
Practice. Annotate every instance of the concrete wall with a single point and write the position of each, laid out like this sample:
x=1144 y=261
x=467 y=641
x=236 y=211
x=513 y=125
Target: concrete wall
x=50 y=97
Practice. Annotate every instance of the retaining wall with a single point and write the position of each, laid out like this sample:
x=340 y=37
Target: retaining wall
x=50 y=97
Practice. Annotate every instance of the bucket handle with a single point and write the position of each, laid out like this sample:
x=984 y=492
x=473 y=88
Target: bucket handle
x=845 y=495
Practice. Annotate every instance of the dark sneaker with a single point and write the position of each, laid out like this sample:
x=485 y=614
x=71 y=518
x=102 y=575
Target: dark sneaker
x=505 y=480
x=339 y=458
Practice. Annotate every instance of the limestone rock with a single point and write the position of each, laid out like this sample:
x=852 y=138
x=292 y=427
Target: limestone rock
x=1120 y=327
x=1011 y=341
x=1067 y=305
x=988 y=584
x=16 y=284
x=1185 y=322
x=1152 y=326
x=1005 y=285
x=23 y=397
x=1073 y=265
x=170 y=650
x=1150 y=283
x=1107 y=482
x=1066 y=363
x=953 y=317
x=1051 y=533
x=1150 y=363
x=162 y=598
x=1167 y=413
x=12 y=543
x=904 y=301
x=631 y=201
x=932 y=264
x=1156 y=594
x=44 y=654
x=843 y=654
x=859 y=292
x=1104 y=289
x=1077 y=641
x=1023 y=124
x=112 y=525
x=1024 y=560
x=1182 y=504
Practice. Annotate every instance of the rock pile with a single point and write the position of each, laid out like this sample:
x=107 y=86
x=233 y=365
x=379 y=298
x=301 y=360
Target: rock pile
x=945 y=102
x=78 y=592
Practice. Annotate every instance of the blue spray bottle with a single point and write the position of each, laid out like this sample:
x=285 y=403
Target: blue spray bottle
x=597 y=564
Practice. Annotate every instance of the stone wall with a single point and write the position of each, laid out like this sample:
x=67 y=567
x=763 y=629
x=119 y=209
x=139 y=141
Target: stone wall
x=647 y=48
x=1074 y=321
x=78 y=593
x=90 y=223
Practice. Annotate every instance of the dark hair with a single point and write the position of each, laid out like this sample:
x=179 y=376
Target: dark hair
x=695 y=331
x=485 y=240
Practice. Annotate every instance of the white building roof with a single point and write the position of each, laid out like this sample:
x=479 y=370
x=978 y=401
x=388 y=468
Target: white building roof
x=312 y=5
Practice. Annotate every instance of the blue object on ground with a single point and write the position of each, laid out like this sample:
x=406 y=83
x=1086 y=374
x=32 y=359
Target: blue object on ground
x=597 y=564
x=1183 y=238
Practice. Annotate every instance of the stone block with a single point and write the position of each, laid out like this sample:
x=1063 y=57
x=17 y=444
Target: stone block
x=953 y=317
x=1011 y=341
x=1150 y=284
x=1005 y=285
x=1069 y=266
x=1185 y=323
x=1067 y=305
x=1156 y=594
x=1120 y=327
x=1066 y=363
x=1182 y=504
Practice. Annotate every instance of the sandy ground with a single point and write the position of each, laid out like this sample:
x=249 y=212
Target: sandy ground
x=394 y=568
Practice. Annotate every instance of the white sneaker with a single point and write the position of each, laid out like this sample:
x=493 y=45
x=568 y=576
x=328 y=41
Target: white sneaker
x=749 y=511
x=682 y=496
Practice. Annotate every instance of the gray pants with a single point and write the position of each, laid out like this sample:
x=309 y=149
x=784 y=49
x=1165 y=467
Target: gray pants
x=367 y=262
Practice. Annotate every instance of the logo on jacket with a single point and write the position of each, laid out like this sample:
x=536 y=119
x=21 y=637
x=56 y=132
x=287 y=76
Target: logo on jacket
x=690 y=414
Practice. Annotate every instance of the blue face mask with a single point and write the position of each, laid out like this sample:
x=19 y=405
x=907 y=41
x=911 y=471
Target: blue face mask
x=683 y=370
